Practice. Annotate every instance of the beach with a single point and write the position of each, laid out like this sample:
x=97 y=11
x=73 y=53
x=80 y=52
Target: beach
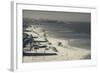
x=56 y=36
x=65 y=52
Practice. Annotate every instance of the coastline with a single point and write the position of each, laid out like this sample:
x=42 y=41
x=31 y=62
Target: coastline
x=65 y=52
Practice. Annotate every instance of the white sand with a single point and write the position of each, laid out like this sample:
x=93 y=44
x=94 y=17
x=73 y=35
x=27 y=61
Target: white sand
x=64 y=53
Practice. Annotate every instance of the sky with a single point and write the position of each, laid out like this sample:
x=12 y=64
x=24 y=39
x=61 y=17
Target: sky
x=52 y=15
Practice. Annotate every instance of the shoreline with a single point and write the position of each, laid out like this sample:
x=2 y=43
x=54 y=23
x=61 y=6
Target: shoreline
x=65 y=52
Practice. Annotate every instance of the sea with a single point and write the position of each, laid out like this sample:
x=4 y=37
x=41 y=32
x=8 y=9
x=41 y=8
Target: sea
x=78 y=32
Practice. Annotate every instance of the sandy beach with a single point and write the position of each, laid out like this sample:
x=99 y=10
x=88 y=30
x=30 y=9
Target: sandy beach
x=56 y=36
x=65 y=52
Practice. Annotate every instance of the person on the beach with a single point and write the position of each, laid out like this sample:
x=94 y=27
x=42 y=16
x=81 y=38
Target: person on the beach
x=45 y=35
x=60 y=44
x=31 y=41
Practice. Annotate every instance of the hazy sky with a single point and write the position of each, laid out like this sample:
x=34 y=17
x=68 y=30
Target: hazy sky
x=65 y=16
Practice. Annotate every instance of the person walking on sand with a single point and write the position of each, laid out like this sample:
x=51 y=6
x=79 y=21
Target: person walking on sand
x=31 y=41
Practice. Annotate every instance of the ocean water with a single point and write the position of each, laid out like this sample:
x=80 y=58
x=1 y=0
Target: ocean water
x=81 y=43
x=79 y=33
x=67 y=30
